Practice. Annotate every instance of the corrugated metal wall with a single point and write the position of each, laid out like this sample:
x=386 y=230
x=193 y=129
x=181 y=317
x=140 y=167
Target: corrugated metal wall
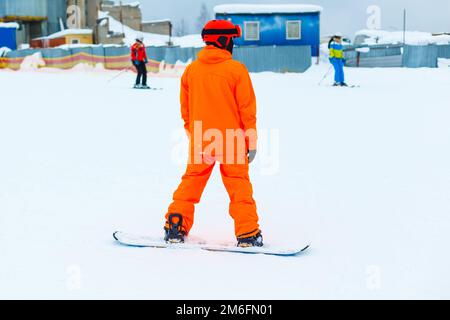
x=276 y=59
x=444 y=51
x=56 y=9
x=420 y=56
x=397 y=56
x=379 y=56
x=36 y=8
x=2 y=8
x=257 y=59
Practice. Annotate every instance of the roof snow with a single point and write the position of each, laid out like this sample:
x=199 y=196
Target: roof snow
x=66 y=33
x=394 y=37
x=156 y=21
x=9 y=25
x=130 y=4
x=266 y=8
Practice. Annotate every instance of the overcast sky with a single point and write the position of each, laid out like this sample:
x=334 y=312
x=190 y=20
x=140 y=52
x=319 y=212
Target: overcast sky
x=346 y=16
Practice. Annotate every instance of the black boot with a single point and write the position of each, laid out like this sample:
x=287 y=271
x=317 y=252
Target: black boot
x=254 y=241
x=174 y=232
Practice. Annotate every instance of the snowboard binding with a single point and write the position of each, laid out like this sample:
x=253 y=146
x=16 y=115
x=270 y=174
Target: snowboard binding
x=253 y=241
x=174 y=232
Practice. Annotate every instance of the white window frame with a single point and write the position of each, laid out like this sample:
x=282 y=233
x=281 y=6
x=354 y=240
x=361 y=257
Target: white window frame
x=246 y=23
x=78 y=41
x=287 y=30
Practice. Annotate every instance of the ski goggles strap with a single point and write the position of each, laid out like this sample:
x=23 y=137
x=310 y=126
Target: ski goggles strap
x=237 y=32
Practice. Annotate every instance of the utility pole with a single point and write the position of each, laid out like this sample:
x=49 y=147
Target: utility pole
x=170 y=33
x=121 y=16
x=404 y=27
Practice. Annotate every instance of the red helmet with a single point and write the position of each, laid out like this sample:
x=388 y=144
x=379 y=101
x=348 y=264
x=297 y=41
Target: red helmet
x=220 y=32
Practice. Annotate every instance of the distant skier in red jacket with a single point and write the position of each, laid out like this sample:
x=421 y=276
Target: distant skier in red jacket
x=139 y=60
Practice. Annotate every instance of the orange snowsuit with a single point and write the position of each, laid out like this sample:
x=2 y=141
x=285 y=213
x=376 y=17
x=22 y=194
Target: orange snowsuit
x=217 y=96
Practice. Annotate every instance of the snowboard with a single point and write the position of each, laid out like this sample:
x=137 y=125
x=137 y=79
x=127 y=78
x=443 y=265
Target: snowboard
x=192 y=243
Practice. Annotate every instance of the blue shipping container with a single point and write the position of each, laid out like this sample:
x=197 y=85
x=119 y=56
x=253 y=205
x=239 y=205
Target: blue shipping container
x=8 y=37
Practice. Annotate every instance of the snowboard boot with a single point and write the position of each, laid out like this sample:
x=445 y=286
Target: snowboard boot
x=343 y=84
x=174 y=232
x=137 y=86
x=144 y=86
x=336 y=84
x=253 y=241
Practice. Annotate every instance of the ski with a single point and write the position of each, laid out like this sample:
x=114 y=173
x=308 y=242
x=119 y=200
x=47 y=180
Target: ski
x=149 y=88
x=348 y=86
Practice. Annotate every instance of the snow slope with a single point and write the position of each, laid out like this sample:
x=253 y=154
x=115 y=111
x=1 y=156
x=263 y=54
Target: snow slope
x=363 y=174
x=151 y=39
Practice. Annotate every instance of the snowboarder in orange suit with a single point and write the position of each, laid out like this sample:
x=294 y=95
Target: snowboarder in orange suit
x=218 y=106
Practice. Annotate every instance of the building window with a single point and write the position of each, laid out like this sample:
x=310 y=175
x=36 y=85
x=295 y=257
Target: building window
x=75 y=41
x=251 y=30
x=293 y=30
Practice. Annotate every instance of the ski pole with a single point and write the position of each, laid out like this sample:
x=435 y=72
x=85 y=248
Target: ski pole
x=118 y=75
x=326 y=75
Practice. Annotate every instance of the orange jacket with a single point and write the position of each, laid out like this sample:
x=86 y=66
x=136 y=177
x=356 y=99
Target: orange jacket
x=217 y=90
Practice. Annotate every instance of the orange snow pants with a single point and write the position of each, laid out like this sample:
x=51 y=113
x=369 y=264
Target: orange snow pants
x=236 y=179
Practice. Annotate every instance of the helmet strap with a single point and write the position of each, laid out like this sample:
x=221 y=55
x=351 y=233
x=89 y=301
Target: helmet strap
x=209 y=43
x=230 y=46
x=227 y=46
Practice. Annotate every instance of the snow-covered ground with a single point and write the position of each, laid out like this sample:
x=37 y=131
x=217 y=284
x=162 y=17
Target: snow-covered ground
x=363 y=174
x=4 y=51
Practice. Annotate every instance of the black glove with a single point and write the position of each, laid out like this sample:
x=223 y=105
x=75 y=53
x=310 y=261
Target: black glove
x=135 y=62
x=251 y=155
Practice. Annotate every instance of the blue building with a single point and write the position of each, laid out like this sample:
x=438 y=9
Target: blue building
x=8 y=35
x=281 y=25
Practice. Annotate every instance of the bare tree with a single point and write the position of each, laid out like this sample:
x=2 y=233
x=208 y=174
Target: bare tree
x=203 y=18
x=181 y=28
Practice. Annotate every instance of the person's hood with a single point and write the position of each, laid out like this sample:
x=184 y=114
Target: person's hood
x=212 y=54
